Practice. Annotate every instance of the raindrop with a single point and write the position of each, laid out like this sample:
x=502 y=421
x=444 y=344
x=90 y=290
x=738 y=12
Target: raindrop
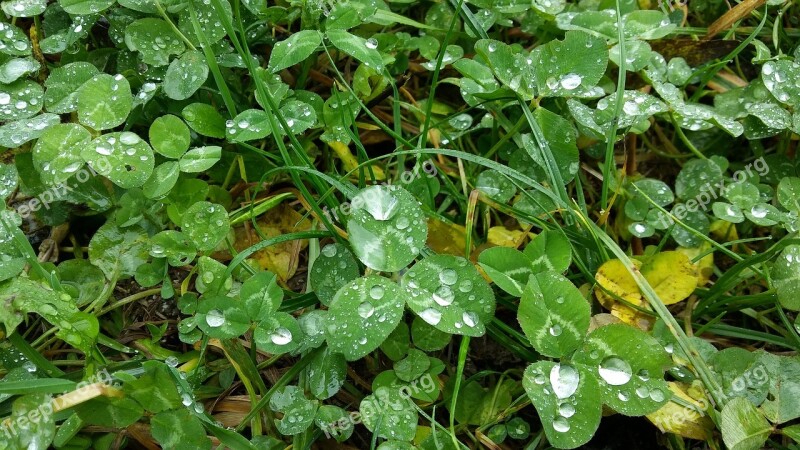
x=431 y=315
x=758 y=211
x=281 y=336
x=615 y=371
x=469 y=318
x=564 y=379
x=376 y=292
x=571 y=81
x=371 y=43
x=555 y=330
x=561 y=425
x=366 y=310
x=215 y=318
x=448 y=276
x=444 y=296
x=566 y=409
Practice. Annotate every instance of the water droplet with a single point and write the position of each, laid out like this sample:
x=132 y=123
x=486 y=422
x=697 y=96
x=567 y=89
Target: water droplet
x=376 y=292
x=431 y=315
x=566 y=409
x=444 y=296
x=656 y=395
x=469 y=318
x=371 y=43
x=615 y=371
x=329 y=251
x=281 y=336
x=129 y=138
x=561 y=425
x=448 y=276
x=571 y=81
x=366 y=310
x=171 y=361
x=564 y=379
x=758 y=211
x=215 y=318
x=555 y=330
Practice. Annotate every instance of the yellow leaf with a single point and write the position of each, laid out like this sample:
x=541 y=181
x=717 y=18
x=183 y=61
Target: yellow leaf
x=282 y=259
x=446 y=238
x=704 y=268
x=681 y=420
x=723 y=231
x=350 y=162
x=672 y=276
x=670 y=273
x=503 y=237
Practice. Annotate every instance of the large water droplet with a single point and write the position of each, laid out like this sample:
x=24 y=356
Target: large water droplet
x=469 y=318
x=444 y=296
x=281 y=336
x=448 y=276
x=376 y=292
x=215 y=318
x=564 y=379
x=431 y=315
x=366 y=310
x=615 y=371
x=570 y=81
x=566 y=409
x=561 y=425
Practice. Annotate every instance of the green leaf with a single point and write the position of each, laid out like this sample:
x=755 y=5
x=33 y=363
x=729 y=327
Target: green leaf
x=20 y=99
x=300 y=116
x=14 y=134
x=63 y=84
x=496 y=185
x=205 y=120
x=743 y=427
x=185 y=75
x=631 y=377
x=173 y=245
x=789 y=193
x=549 y=251
x=221 y=317
x=294 y=50
x=389 y=414
x=364 y=50
x=448 y=292
x=508 y=268
x=162 y=180
x=261 y=296
x=206 y=224
x=783 y=376
x=38 y=433
x=567 y=399
x=85 y=280
x=412 y=366
x=57 y=153
x=78 y=7
x=124 y=158
x=553 y=314
x=104 y=101
x=24 y=8
x=326 y=374
x=200 y=159
x=335 y=422
x=579 y=61
x=209 y=19
x=334 y=267
x=248 y=125
x=13 y=41
x=169 y=136
x=16 y=68
x=112 y=412
x=180 y=430
x=781 y=78
x=280 y=333
x=387 y=228
x=298 y=411
x=362 y=314
x=118 y=252
x=427 y=337
x=155 y=390
x=740 y=374
x=154 y=39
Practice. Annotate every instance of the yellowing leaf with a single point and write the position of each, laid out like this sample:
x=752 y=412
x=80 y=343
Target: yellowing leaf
x=350 y=162
x=681 y=420
x=723 y=231
x=282 y=258
x=503 y=237
x=446 y=238
x=670 y=273
x=672 y=276
x=704 y=268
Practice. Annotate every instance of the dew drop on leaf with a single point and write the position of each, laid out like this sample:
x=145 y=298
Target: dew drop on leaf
x=615 y=371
